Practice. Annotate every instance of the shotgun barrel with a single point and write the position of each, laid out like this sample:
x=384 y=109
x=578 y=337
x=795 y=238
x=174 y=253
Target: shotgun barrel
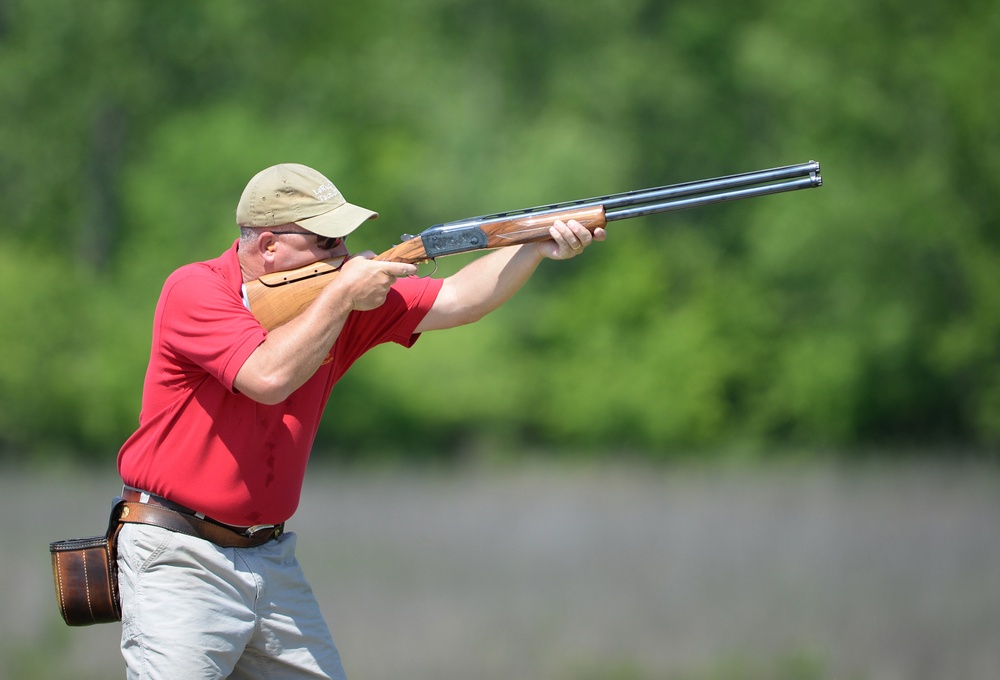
x=672 y=197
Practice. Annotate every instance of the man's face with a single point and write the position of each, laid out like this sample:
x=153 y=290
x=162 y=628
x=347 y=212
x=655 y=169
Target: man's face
x=293 y=247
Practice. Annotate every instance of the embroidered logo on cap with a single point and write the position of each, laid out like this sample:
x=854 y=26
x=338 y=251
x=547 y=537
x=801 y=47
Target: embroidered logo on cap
x=324 y=192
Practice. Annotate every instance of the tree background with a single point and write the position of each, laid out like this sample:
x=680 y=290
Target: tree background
x=864 y=316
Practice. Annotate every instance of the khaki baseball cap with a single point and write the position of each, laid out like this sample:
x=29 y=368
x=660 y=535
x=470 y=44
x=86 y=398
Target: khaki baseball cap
x=292 y=193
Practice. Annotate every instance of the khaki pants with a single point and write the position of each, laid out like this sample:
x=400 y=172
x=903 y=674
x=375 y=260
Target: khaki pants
x=194 y=611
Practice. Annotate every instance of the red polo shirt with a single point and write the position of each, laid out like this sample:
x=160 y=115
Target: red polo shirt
x=216 y=451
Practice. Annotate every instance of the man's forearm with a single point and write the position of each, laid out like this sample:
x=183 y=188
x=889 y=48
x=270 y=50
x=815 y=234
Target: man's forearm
x=482 y=286
x=291 y=353
x=485 y=284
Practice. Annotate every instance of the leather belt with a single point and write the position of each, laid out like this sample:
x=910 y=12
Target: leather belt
x=142 y=508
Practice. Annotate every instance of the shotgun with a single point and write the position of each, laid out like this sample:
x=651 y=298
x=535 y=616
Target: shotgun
x=278 y=297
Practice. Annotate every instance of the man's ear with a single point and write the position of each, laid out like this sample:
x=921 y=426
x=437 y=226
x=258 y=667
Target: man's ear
x=266 y=243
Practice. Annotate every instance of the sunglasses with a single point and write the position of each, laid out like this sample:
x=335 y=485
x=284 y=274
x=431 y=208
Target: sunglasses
x=322 y=242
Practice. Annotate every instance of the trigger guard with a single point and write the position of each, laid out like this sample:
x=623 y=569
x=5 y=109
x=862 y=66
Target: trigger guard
x=433 y=272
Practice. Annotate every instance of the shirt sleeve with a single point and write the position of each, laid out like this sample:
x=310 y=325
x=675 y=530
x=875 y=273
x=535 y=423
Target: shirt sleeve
x=396 y=320
x=418 y=296
x=205 y=327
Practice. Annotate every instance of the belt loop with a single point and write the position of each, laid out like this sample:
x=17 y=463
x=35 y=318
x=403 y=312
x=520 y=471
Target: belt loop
x=143 y=495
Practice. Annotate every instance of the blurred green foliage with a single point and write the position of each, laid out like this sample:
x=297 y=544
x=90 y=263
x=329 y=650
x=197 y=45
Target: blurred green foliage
x=865 y=313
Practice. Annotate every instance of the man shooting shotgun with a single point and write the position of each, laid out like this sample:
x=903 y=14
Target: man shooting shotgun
x=276 y=298
x=241 y=368
x=209 y=583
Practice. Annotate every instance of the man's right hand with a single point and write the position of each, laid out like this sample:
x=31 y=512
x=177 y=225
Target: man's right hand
x=366 y=282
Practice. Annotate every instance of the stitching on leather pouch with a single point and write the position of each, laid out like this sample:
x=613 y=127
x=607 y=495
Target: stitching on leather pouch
x=86 y=583
x=59 y=584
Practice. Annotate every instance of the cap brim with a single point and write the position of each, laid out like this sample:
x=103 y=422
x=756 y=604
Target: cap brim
x=340 y=221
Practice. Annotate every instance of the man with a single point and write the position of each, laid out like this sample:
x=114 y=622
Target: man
x=229 y=415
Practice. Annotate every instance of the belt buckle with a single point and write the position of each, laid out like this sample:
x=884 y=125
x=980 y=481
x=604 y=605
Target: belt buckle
x=250 y=532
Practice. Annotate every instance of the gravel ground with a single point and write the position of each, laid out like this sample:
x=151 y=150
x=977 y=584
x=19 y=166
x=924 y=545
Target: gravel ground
x=881 y=573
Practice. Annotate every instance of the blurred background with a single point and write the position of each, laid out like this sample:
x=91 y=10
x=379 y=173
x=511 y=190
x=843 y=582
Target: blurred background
x=691 y=454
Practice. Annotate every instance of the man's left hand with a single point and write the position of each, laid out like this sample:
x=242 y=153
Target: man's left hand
x=569 y=239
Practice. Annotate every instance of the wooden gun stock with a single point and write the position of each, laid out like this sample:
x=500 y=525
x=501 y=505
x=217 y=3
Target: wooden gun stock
x=276 y=298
